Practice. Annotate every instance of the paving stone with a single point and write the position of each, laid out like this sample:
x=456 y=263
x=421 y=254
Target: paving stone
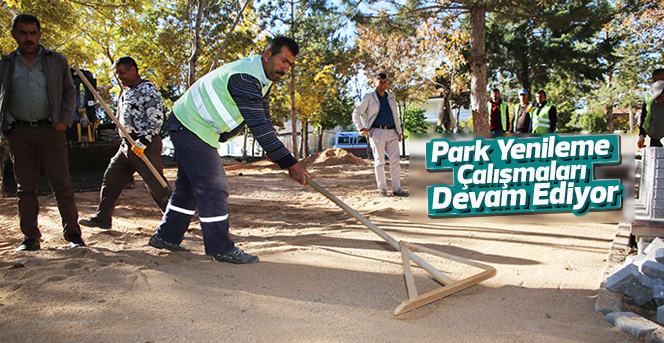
x=608 y=301
x=653 y=269
x=631 y=282
x=632 y=324
x=656 y=336
x=658 y=292
x=636 y=260
x=659 y=255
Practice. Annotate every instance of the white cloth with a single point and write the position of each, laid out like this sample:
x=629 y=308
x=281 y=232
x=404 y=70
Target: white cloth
x=383 y=141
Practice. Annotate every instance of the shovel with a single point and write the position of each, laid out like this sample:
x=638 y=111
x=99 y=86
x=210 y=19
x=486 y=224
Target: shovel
x=407 y=254
x=124 y=132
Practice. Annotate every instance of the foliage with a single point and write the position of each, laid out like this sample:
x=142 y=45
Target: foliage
x=382 y=49
x=593 y=121
x=321 y=70
x=563 y=36
x=93 y=34
x=335 y=112
x=414 y=121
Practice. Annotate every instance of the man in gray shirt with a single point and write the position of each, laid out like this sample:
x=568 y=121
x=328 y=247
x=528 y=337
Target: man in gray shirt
x=37 y=102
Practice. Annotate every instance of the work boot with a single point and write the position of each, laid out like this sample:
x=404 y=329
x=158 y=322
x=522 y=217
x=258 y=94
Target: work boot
x=400 y=193
x=75 y=240
x=162 y=244
x=237 y=256
x=28 y=244
x=383 y=192
x=94 y=222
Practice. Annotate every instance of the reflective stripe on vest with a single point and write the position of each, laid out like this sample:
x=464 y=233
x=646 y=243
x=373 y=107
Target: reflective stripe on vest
x=207 y=108
x=646 y=120
x=503 y=113
x=541 y=122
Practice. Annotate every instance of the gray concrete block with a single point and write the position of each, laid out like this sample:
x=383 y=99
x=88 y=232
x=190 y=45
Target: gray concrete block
x=656 y=336
x=654 y=152
x=632 y=324
x=654 y=245
x=608 y=301
x=659 y=255
x=653 y=269
x=636 y=260
x=658 y=292
x=631 y=282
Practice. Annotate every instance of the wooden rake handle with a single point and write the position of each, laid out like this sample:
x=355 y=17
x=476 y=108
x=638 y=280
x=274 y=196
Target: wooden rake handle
x=117 y=123
x=444 y=279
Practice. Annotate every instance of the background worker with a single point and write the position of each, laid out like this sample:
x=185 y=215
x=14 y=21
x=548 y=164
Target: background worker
x=377 y=115
x=646 y=115
x=499 y=119
x=214 y=109
x=544 y=115
x=141 y=113
x=37 y=102
x=521 y=118
x=655 y=117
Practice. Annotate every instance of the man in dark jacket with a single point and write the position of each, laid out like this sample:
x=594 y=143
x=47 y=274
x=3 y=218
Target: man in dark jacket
x=37 y=101
x=141 y=113
x=646 y=116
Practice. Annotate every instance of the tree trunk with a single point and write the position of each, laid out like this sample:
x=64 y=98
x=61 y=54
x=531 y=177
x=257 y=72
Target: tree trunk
x=609 y=107
x=402 y=120
x=195 y=43
x=609 y=118
x=244 y=148
x=228 y=35
x=631 y=120
x=320 y=139
x=305 y=138
x=292 y=90
x=477 y=61
x=293 y=114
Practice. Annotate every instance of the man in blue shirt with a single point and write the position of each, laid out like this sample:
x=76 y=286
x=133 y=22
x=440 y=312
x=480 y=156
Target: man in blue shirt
x=377 y=116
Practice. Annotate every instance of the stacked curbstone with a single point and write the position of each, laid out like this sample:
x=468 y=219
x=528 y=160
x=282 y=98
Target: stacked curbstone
x=651 y=189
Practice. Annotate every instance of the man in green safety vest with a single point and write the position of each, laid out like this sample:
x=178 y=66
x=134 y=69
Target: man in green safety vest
x=499 y=119
x=544 y=115
x=214 y=109
x=646 y=118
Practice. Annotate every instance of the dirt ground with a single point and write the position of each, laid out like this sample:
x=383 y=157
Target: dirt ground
x=323 y=276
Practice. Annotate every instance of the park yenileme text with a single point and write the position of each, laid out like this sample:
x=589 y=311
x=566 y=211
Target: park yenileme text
x=523 y=175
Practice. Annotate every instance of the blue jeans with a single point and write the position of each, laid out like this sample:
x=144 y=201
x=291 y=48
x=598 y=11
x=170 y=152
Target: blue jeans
x=201 y=183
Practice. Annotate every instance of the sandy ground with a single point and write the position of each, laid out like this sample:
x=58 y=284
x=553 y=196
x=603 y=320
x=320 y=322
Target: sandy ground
x=323 y=277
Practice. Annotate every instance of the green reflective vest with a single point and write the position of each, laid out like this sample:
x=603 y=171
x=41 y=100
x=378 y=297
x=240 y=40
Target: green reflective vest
x=646 y=120
x=207 y=108
x=503 y=114
x=541 y=122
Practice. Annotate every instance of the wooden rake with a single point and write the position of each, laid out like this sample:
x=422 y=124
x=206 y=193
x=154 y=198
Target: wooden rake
x=126 y=135
x=408 y=254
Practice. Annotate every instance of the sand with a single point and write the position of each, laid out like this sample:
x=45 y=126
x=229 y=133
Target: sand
x=323 y=277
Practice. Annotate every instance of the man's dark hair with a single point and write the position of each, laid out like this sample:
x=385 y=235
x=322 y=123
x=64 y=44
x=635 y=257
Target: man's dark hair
x=127 y=62
x=541 y=92
x=276 y=44
x=25 y=19
x=657 y=72
x=381 y=76
x=495 y=90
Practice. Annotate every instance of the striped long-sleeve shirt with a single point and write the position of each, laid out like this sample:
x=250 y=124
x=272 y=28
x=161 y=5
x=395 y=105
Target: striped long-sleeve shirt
x=255 y=109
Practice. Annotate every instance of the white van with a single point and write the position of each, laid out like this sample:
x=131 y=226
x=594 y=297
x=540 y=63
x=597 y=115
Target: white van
x=353 y=142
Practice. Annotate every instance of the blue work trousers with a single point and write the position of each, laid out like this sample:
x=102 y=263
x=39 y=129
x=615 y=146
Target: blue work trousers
x=201 y=183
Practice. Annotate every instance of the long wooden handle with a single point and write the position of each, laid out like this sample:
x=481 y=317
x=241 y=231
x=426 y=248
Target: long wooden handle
x=444 y=279
x=391 y=241
x=117 y=123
